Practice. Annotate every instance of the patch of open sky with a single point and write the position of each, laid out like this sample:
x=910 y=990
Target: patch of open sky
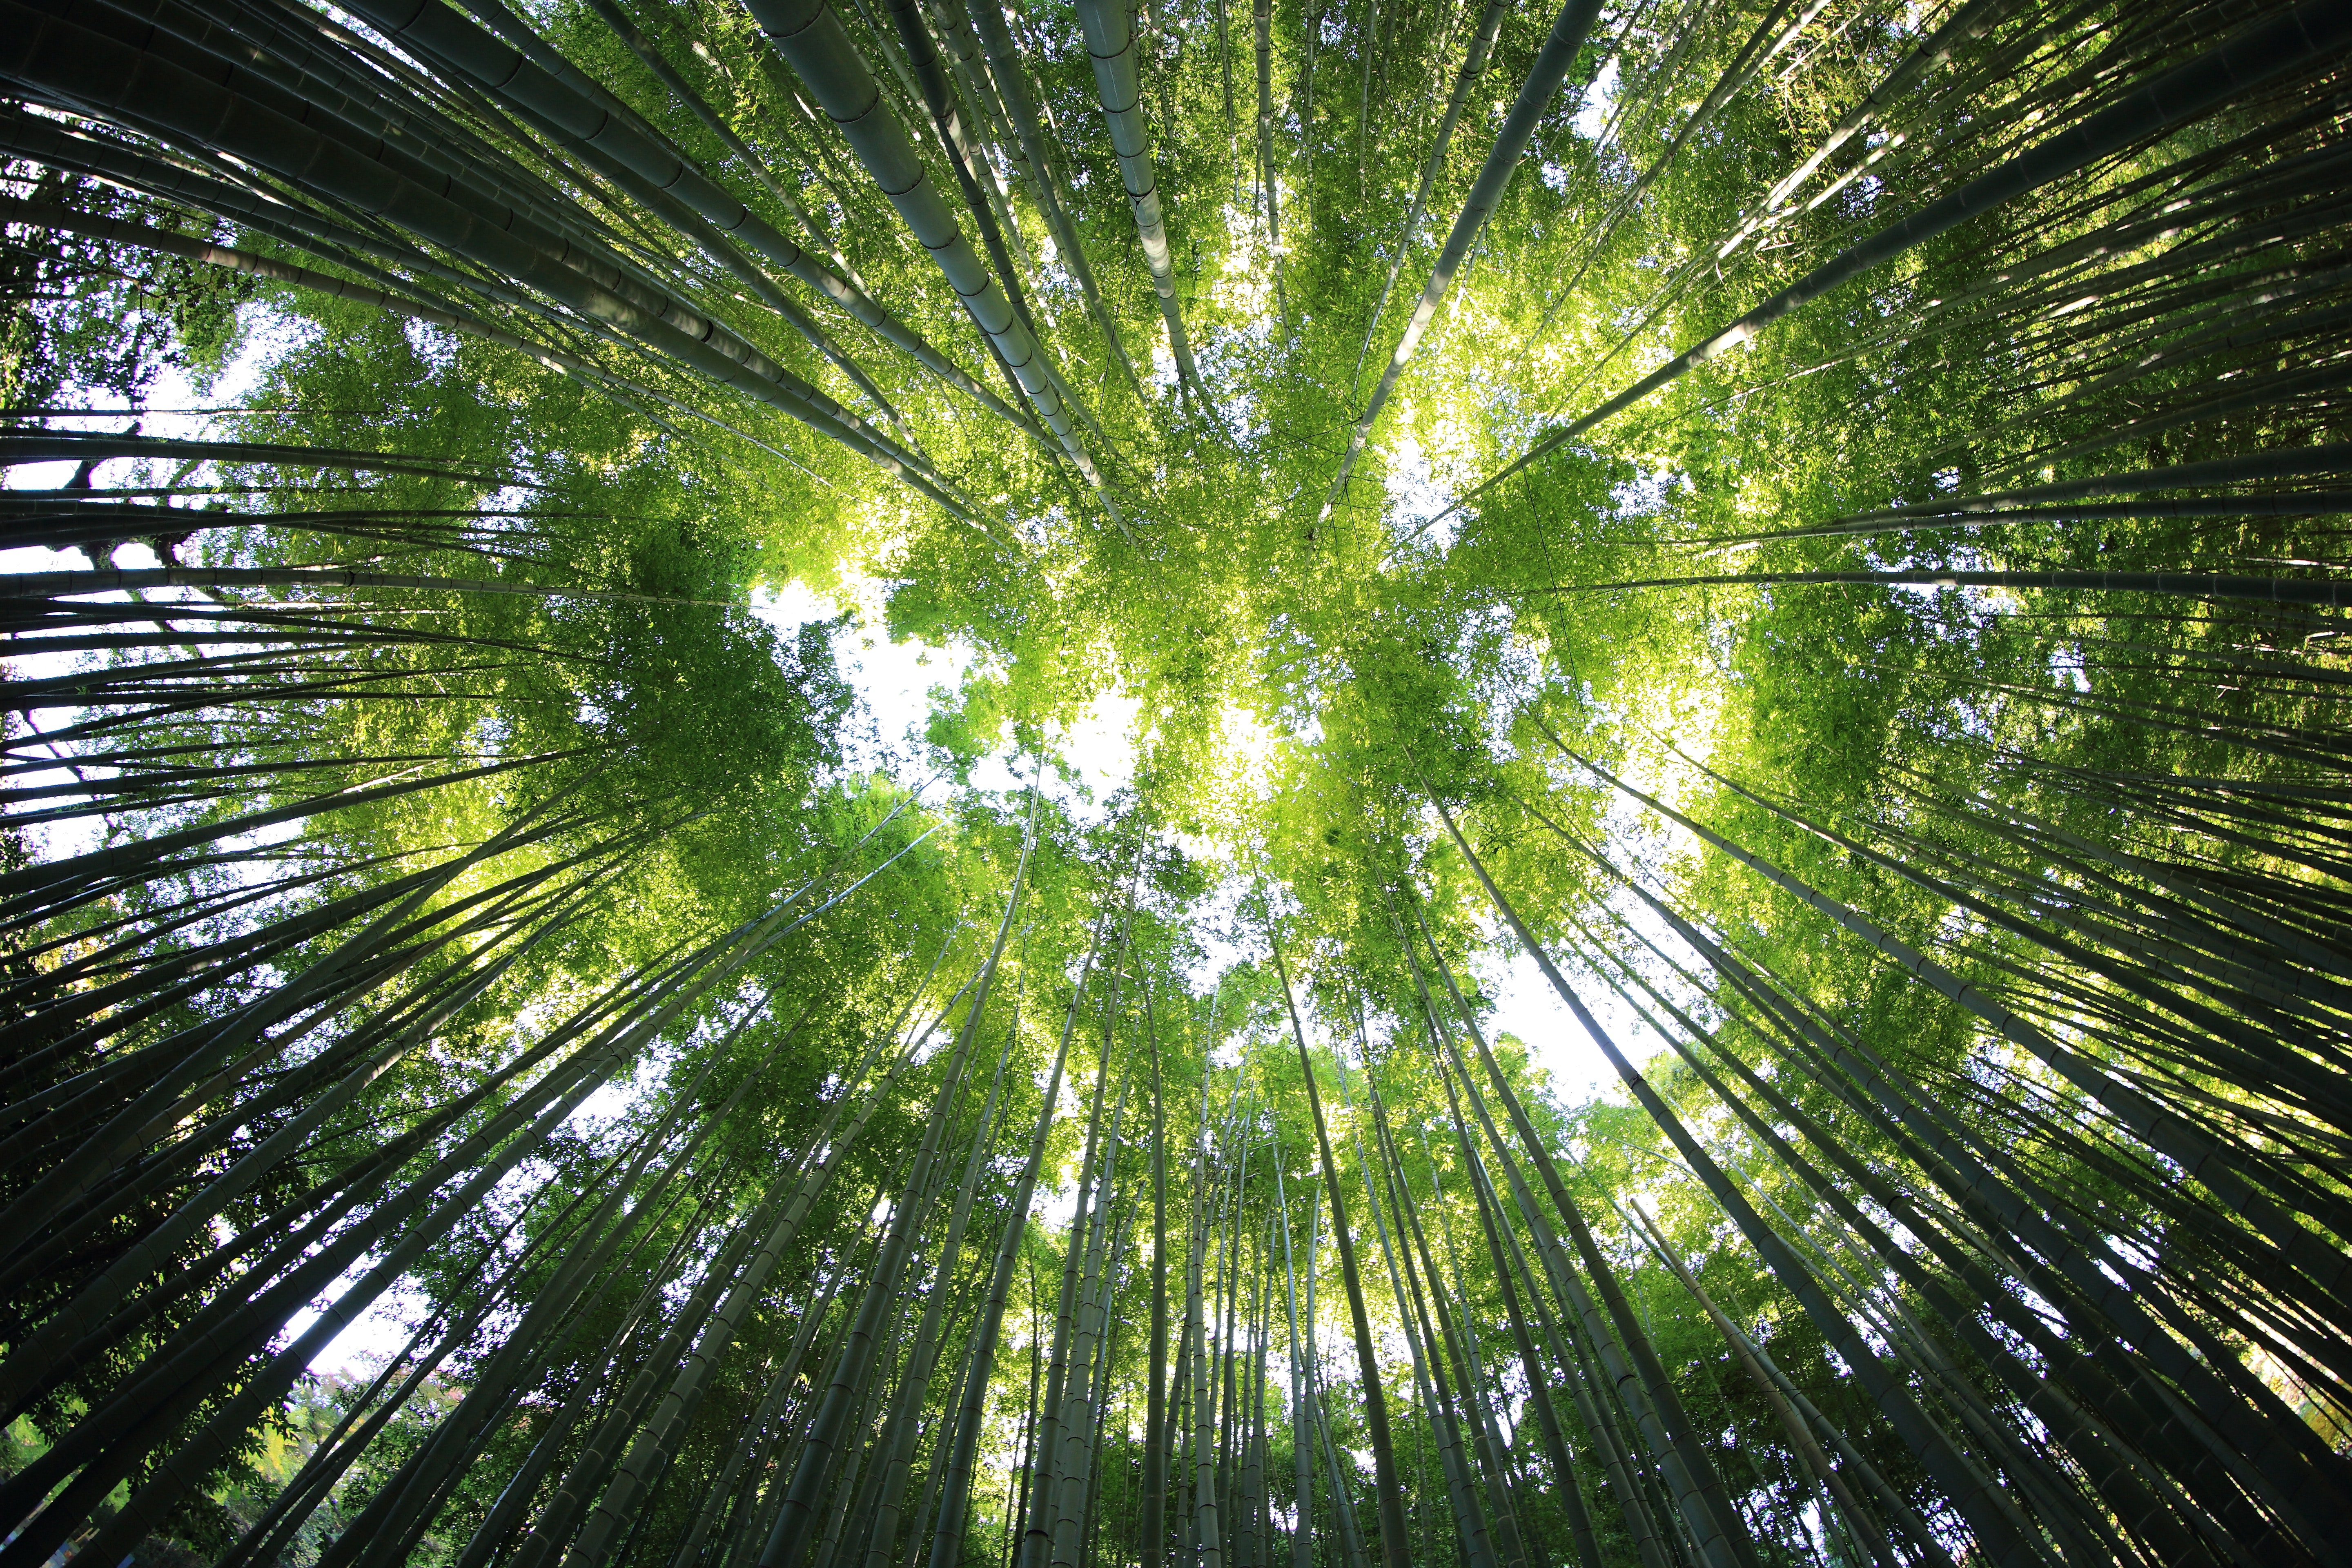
x=1162 y=371
x=1599 y=100
x=2067 y=668
x=1415 y=498
x=1523 y=1006
x=27 y=661
x=174 y=408
x=379 y=1331
x=1217 y=925
x=901 y=684
x=1648 y=491
x=372 y=1339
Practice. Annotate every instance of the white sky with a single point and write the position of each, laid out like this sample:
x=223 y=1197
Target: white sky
x=895 y=682
x=1599 y=101
x=172 y=391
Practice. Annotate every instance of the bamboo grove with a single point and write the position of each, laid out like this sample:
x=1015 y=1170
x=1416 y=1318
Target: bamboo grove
x=1787 y=552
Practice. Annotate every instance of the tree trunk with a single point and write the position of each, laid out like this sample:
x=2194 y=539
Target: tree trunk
x=1395 y=1553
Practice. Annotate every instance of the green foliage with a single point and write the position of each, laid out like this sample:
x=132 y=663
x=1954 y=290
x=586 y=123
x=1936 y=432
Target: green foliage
x=1898 y=903
x=87 y=321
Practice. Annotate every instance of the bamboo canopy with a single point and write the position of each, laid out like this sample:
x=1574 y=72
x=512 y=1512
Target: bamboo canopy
x=1632 y=849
